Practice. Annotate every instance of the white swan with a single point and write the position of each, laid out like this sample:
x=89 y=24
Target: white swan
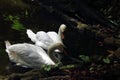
x=31 y=56
x=57 y=37
x=46 y=39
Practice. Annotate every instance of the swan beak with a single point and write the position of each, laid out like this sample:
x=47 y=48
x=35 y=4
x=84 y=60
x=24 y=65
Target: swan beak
x=62 y=36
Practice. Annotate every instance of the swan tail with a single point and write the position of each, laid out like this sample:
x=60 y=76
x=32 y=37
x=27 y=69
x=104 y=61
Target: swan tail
x=7 y=44
x=31 y=35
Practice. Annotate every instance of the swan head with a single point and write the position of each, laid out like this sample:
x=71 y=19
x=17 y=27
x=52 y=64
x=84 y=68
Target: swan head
x=63 y=27
x=61 y=30
x=51 y=52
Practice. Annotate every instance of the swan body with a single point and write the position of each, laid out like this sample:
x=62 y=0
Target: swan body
x=43 y=40
x=55 y=37
x=46 y=39
x=28 y=55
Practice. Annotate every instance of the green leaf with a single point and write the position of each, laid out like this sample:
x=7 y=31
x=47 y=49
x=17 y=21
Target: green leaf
x=67 y=66
x=17 y=25
x=85 y=58
x=8 y=18
x=113 y=22
x=91 y=68
x=106 y=60
x=46 y=67
x=26 y=12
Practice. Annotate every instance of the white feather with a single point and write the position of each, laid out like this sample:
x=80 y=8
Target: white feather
x=28 y=55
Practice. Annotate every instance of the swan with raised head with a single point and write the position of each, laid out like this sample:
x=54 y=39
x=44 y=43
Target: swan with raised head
x=46 y=39
x=31 y=56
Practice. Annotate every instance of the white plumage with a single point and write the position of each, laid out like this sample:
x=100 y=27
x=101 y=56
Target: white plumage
x=46 y=39
x=28 y=55
x=34 y=56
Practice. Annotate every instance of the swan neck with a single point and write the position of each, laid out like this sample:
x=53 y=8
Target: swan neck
x=52 y=54
x=60 y=32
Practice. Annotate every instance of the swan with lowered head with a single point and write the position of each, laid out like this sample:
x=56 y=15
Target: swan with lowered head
x=46 y=39
x=31 y=56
